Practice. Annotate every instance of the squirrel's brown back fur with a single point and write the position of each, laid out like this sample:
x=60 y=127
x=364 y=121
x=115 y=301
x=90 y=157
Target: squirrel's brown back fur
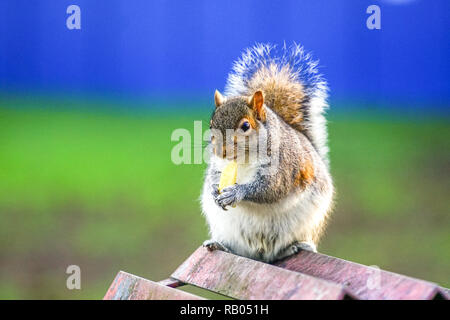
x=282 y=93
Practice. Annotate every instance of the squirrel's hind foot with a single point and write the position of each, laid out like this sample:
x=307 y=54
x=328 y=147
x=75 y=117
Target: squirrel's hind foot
x=296 y=247
x=212 y=245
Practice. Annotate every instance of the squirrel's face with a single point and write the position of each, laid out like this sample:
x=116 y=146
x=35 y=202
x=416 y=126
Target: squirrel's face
x=235 y=125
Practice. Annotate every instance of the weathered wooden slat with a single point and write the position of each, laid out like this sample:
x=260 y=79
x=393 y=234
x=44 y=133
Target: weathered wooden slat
x=130 y=287
x=446 y=292
x=365 y=282
x=171 y=282
x=242 y=278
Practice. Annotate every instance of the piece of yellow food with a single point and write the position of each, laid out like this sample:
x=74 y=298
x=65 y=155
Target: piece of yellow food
x=228 y=176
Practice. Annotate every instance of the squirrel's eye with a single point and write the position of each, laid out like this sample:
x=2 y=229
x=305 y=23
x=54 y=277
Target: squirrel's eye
x=245 y=126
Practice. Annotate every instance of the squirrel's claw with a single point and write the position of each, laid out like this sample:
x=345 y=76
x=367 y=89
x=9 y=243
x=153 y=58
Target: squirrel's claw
x=215 y=193
x=229 y=197
x=215 y=190
x=212 y=245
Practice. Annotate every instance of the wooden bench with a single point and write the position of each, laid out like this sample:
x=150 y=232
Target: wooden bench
x=307 y=275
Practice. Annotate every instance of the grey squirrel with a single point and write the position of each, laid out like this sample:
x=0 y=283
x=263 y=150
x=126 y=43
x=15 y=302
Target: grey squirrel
x=270 y=214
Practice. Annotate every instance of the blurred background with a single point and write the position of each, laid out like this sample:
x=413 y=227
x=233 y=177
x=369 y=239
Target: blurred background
x=86 y=117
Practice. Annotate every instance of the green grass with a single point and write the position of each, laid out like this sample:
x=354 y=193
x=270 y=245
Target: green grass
x=97 y=188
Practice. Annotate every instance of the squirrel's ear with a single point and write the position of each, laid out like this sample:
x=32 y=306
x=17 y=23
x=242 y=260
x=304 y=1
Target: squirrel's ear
x=256 y=102
x=219 y=99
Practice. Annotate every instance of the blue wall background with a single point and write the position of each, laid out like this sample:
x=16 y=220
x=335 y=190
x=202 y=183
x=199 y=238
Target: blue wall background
x=185 y=48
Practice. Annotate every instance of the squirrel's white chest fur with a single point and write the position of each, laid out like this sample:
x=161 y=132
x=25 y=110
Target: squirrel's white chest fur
x=261 y=231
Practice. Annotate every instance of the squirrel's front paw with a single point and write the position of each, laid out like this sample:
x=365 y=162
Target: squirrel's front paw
x=229 y=196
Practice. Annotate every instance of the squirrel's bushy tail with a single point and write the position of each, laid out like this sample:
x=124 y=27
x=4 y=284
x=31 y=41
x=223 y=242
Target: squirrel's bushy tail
x=292 y=87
